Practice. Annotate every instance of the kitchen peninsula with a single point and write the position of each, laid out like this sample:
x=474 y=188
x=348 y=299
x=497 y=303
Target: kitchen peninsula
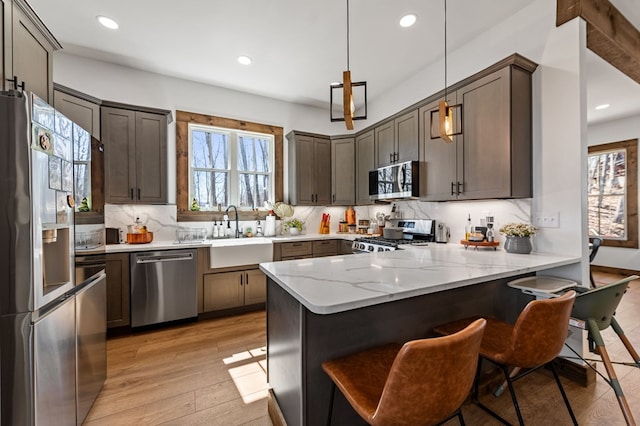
x=319 y=309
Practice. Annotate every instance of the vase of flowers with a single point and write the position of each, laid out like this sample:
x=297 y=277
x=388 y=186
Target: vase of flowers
x=294 y=226
x=518 y=237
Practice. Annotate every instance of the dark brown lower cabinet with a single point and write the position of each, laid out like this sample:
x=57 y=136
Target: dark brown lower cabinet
x=118 y=290
x=226 y=290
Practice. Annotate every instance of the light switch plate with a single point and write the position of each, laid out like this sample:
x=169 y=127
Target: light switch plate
x=547 y=220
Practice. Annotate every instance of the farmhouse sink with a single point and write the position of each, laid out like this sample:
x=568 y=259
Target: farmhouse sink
x=240 y=251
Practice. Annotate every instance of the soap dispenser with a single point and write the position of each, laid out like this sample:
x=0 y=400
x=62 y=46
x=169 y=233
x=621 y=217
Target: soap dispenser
x=259 y=229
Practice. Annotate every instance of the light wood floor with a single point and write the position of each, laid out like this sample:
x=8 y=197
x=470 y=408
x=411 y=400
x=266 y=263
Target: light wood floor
x=213 y=373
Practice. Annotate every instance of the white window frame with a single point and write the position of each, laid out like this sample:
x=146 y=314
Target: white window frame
x=234 y=174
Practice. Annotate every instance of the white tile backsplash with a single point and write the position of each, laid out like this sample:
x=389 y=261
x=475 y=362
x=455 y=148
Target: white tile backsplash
x=161 y=219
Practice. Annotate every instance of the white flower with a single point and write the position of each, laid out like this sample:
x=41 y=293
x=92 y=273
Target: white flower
x=518 y=230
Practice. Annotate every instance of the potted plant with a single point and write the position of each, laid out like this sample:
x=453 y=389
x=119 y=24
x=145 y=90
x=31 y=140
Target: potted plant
x=518 y=237
x=294 y=226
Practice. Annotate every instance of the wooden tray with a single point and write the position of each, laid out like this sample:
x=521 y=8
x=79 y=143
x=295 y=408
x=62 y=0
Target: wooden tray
x=140 y=238
x=476 y=244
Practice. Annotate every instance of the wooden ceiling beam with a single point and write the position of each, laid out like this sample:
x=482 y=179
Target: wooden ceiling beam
x=609 y=34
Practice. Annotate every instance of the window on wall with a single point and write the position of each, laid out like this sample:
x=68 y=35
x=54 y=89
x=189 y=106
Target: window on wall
x=82 y=169
x=613 y=193
x=230 y=167
x=222 y=162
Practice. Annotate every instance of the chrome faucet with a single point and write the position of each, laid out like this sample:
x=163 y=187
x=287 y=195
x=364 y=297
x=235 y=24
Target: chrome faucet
x=237 y=227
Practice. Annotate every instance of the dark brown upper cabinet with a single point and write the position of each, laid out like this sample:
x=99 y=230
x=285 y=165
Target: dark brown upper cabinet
x=135 y=144
x=27 y=48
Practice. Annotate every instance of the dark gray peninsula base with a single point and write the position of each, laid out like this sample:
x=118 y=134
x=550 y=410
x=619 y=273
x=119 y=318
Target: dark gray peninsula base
x=299 y=341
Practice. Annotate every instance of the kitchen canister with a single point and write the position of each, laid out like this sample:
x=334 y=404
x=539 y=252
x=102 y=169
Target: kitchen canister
x=270 y=226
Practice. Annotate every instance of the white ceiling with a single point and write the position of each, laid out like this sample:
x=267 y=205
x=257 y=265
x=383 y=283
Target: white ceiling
x=299 y=46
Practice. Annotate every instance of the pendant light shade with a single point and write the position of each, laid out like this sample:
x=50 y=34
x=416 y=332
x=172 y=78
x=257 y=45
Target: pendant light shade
x=354 y=95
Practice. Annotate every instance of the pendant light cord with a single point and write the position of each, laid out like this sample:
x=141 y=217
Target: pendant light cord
x=445 y=50
x=347 y=35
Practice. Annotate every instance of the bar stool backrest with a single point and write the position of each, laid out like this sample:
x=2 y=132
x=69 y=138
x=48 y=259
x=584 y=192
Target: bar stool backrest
x=601 y=303
x=539 y=333
x=430 y=378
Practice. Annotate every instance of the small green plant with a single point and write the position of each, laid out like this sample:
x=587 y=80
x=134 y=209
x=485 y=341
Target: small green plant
x=294 y=223
x=518 y=230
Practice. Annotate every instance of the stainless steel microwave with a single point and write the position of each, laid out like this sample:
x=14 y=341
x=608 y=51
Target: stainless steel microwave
x=398 y=181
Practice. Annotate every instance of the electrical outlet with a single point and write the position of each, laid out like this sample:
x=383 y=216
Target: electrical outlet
x=547 y=220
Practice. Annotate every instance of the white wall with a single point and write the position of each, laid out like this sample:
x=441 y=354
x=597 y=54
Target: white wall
x=122 y=84
x=615 y=131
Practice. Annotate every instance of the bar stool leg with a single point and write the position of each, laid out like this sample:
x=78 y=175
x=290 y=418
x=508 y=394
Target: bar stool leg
x=512 y=391
x=615 y=384
x=564 y=395
x=500 y=389
x=333 y=394
x=476 y=395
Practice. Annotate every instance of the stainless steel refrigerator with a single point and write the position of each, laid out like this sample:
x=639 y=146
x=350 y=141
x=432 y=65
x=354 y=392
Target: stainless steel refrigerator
x=38 y=294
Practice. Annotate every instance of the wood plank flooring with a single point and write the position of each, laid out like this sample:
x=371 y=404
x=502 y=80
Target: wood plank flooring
x=213 y=373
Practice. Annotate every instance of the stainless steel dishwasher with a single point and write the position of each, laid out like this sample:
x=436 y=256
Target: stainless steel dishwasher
x=163 y=286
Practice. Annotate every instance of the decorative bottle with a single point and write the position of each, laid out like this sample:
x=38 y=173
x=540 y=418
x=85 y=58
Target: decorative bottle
x=467 y=228
x=350 y=216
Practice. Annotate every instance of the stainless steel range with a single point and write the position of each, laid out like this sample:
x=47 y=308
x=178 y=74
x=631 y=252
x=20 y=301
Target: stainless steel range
x=414 y=232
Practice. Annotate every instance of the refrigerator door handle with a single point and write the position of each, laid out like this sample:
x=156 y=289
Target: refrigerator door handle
x=85 y=287
x=43 y=313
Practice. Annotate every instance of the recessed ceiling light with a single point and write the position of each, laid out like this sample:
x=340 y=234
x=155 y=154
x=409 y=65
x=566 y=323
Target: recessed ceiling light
x=603 y=106
x=108 y=22
x=408 y=20
x=244 y=60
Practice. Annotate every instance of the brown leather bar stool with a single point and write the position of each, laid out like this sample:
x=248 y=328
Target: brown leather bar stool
x=532 y=342
x=423 y=382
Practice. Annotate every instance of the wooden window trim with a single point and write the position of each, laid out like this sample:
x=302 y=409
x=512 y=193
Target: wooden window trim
x=183 y=119
x=631 y=183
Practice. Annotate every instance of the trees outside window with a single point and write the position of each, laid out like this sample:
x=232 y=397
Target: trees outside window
x=613 y=193
x=230 y=167
x=222 y=161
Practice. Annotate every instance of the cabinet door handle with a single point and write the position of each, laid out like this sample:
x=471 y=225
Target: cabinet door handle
x=17 y=86
x=131 y=194
x=459 y=188
x=138 y=193
x=246 y=278
x=453 y=188
x=334 y=198
x=241 y=278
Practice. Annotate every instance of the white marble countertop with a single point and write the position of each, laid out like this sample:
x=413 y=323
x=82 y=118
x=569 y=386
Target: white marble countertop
x=173 y=245
x=334 y=284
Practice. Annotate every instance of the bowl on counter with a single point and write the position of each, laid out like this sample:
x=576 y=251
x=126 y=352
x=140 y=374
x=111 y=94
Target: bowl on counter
x=144 y=238
x=392 y=232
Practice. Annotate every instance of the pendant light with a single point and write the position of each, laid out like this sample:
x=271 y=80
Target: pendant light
x=347 y=86
x=446 y=118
